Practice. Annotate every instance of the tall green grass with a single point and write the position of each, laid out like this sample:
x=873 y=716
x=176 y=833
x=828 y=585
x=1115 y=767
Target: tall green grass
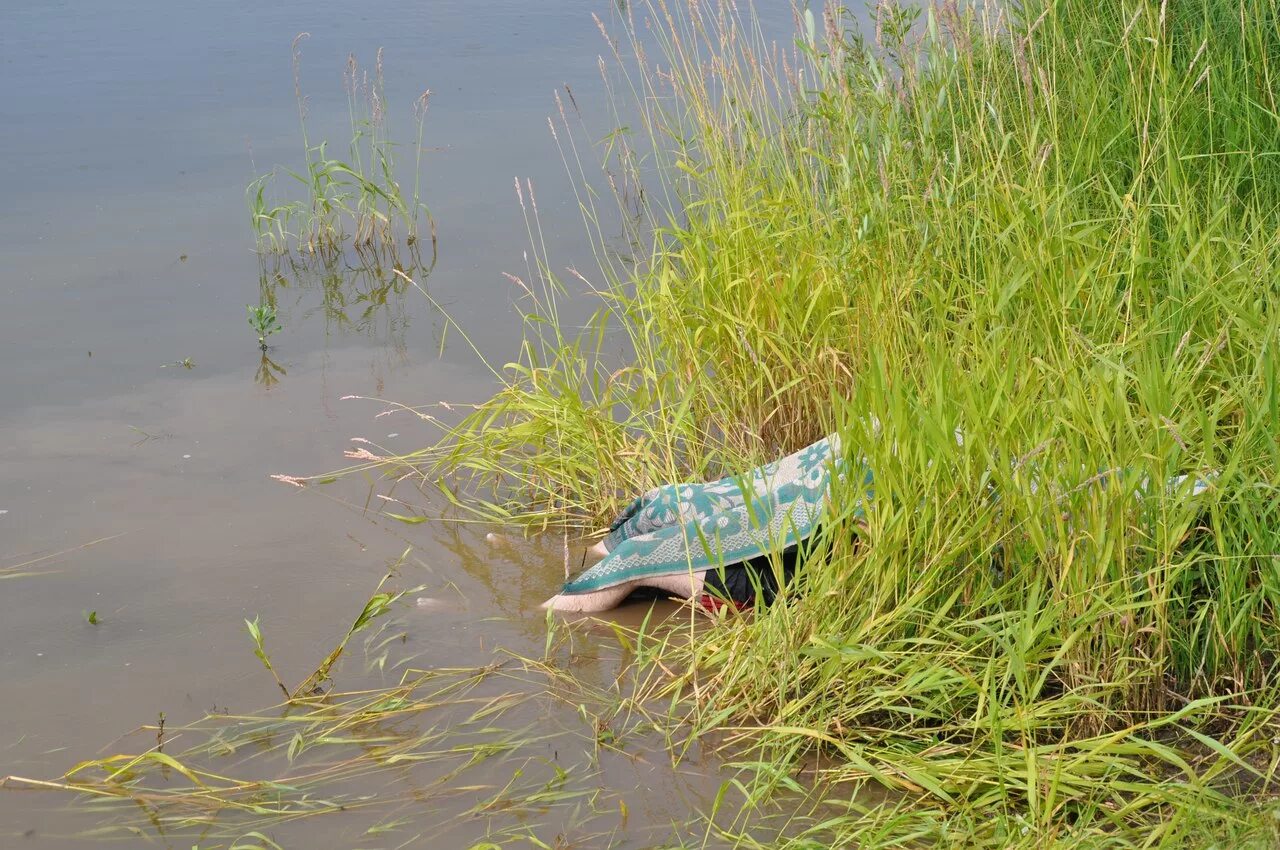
x=353 y=201
x=1053 y=227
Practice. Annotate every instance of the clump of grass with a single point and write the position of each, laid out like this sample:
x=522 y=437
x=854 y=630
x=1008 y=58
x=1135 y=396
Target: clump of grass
x=1050 y=227
x=354 y=201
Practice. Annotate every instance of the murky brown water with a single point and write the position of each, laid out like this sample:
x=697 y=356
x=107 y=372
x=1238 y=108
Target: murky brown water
x=142 y=493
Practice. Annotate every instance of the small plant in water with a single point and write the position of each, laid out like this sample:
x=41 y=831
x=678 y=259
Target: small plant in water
x=343 y=200
x=260 y=650
x=262 y=319
x=91 y=617
x=185 y=363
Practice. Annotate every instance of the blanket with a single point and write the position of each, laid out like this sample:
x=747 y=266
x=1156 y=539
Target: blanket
x=677 y=528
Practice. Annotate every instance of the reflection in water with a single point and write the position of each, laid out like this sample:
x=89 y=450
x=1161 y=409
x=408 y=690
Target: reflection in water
x=361 y=291
x=269 y=372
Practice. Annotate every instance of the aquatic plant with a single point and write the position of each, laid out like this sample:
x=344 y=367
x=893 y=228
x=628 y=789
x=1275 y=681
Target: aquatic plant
x=263 y=320
x=354 y=201
x=1050 y=227
x=292 y=763
x=377 y=606
x=260 y=650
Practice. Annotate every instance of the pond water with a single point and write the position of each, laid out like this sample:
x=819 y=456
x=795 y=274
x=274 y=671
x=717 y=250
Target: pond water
x=139 y=490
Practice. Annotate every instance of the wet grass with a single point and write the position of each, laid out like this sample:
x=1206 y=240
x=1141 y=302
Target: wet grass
x=1050 y=228
x=359 y=754
x=346 y=202
x=512 y=753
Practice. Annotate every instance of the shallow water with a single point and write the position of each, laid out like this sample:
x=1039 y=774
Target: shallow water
x=141 y=492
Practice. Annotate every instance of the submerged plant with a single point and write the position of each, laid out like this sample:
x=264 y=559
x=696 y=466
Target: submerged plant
x=471 y=743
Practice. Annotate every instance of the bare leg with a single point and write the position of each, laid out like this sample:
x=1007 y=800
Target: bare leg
x=600 y=600
x=683 y=585
x=598 y=550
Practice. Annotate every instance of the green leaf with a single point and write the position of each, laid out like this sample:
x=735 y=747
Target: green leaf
x=410 y=520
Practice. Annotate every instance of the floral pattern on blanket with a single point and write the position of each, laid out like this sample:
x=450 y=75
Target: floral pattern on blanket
x=681 y=527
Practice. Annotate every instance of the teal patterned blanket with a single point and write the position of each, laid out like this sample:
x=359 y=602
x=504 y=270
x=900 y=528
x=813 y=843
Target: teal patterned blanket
x=678 y=528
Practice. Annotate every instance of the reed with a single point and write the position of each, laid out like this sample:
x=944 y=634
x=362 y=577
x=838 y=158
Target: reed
x=352 y=202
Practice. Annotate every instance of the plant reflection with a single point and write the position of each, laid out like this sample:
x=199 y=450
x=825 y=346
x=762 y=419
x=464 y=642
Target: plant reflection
x=359 y=292
x=269 y=372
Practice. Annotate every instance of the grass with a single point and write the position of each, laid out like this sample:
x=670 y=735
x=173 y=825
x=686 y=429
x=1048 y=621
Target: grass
x=31 y=564
x=353 y=202
x=311 y=757
x=518 y=752
x=1053 y=227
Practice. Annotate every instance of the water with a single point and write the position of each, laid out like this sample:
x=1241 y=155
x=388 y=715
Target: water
x=142 y=492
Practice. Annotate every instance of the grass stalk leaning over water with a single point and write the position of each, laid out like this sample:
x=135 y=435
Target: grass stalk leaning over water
x=510 y=750
x=1054 y=227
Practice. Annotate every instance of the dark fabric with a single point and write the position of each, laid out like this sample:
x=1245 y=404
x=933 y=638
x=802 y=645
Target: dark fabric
x=743 y=583
x=738 y=583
